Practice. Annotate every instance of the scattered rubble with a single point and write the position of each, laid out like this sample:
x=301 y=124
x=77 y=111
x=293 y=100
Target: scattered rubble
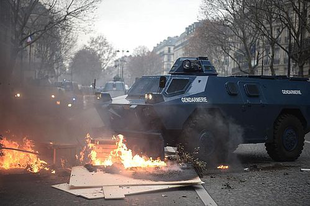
x=227 y=186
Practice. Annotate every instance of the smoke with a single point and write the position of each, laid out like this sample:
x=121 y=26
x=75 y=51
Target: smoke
x=235 y=138
x=37 y=115
x=212 y=137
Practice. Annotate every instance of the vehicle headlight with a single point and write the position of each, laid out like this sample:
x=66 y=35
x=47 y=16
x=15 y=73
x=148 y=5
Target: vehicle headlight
x=69 y=105
x=152 y=98
x=17 y=95
x=53 y=96
x=98 y=95
x=103 y=96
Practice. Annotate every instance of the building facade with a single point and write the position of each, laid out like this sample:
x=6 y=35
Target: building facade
x=165 y=50
x=281 y=57
x=182 y=40
x=174 y=47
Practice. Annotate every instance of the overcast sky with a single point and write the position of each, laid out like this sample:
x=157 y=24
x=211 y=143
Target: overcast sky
x=128 y=24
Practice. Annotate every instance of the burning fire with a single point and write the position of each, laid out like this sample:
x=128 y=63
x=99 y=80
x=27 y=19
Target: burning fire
x=17 y=159
x=223 y=167
x=121 y=155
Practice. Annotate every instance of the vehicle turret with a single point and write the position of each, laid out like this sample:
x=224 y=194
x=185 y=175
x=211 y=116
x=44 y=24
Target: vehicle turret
x=199 y=66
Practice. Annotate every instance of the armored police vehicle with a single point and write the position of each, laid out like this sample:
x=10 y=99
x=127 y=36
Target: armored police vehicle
x=209 y=114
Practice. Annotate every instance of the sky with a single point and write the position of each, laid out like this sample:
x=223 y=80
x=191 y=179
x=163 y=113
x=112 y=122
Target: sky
x=128 y=24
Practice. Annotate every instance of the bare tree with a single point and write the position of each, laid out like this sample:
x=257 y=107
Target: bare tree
x=276 y=17
x=54 y=50
x=34 y=18
x=266 y=18
x=294 y=15
x=86 y=66
x=140 y=51
x=103 y=49
x=143 y=62
x=202 y=44
x=233 y=33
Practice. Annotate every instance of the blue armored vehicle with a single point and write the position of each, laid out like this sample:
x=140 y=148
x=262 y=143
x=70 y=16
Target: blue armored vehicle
x=209 y=114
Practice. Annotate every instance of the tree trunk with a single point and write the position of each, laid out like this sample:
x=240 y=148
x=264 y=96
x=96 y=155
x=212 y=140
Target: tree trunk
x=301 y=70
x=272 y=60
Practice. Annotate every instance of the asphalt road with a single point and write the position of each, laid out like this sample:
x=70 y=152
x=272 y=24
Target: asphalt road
x=266 y=183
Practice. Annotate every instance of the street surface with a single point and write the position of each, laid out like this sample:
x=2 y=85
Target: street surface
x=266 y=183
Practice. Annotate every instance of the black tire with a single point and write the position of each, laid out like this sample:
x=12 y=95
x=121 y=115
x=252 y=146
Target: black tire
x=288 y=139
x=206 y=136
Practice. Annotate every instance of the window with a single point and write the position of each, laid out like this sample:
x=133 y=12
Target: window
x=169 y=50
x=251 y=90
x=266 y=60
x=145 y=85
x=276 y=55
x=177 y=86
x=267 y=50
x=169 y=58
x=114 y=86
x=231 y=88
x=285 y=60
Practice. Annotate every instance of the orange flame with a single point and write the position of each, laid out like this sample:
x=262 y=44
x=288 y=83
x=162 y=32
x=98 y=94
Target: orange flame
x=223 y=167
x=121 y=155
x=17 y=159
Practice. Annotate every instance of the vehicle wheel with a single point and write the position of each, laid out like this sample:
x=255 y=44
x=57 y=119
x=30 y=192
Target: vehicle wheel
x=207 y=135
x=288 y=139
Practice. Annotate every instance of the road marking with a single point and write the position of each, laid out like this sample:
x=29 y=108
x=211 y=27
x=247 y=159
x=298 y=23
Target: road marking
x=204 y=196
x=307 y=141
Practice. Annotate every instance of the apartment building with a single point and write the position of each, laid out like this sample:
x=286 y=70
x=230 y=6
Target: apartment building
x=173 y=47
x=165 y=50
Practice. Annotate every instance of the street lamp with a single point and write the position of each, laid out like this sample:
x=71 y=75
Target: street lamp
x=120 y=64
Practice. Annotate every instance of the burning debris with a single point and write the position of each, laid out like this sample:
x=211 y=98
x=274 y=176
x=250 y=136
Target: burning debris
x=185 y=157
x=112 y=171
x=118 y=155
x=223 y=167
x=22 y=156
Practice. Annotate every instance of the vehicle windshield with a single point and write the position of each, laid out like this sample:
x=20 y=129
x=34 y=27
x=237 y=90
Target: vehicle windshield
x=145 y=85
x=114 y=86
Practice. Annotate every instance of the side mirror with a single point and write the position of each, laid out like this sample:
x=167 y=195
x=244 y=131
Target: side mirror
x=162 y=82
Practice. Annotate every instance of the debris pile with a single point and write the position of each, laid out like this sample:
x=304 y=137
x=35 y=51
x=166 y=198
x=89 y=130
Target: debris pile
x=23 y=156
x=117 y=180
x=112 y=171
x=109 y=185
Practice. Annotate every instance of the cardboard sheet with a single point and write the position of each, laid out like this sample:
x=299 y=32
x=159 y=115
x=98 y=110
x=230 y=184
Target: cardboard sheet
x=89 y=193
x=112 y=192
x=81 y=177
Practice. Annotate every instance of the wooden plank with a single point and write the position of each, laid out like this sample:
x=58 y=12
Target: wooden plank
x=105 y=147
x=81 y=177
x=113 y=192
x=204 y=195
